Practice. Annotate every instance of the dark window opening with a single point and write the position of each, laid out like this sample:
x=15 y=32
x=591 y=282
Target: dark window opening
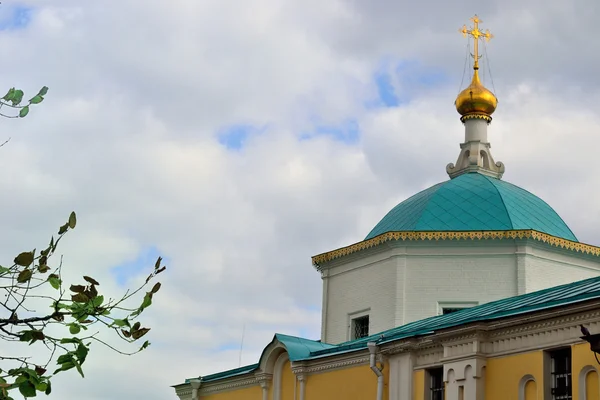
x=360 y=327
x=561 y=374
x=436 y=384
x=450 y=310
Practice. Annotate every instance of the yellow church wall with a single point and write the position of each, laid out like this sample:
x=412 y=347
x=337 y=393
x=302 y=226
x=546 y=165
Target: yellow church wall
x=288 y=380
x=584 y=370
x=419 y=385
x=254 y=392
x=504 y=375
x=531 y=390
x=357 y=383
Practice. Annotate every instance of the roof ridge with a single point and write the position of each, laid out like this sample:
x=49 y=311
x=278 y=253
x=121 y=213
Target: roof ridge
x=512 y=225
x=501 y=182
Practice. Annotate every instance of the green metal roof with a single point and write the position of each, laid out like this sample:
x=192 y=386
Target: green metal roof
x=304 y=349
x=473 y=202
x=296 y=347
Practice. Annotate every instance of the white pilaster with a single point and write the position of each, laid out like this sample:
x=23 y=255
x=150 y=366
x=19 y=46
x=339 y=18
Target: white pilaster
x=465 y=379
x=401 y=376
x=264 y=380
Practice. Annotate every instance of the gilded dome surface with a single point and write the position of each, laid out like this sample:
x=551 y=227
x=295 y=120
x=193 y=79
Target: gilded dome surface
x=473 y=202
x=476 y=99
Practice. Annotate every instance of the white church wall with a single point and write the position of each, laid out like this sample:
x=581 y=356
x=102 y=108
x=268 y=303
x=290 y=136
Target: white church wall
x=357 y=288
x=457 y=277
x=400 y=282
x=546 y=268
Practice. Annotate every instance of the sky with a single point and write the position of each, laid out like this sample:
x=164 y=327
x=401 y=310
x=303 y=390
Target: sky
x=239 y=138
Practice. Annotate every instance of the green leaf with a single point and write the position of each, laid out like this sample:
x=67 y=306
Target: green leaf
x=9 y=95
x=147 y=300
x=24 y=276
x=97 y=301
x=64 y=358
x=17 y=97
x=74 y=329
x=26 y=336
x=24 y=259
x=120 y=322
x=81 y=352
x=145 y=345
x=78 y=366
x=72 y=220
x=68 y=341
x=36 y=99
x=54 y=281
x=158 y=261
x=3 y=270
x=49 y=389
x=42 y=386
x=43 y=91
x=65 y=366
x=27 y=389
x=63 y=229
x=24 y=111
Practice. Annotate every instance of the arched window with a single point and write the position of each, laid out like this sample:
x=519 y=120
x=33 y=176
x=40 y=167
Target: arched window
x=527 y=388
x=589 y=385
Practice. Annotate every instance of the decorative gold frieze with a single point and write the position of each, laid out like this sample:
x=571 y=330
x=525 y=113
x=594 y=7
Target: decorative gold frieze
x=465 y=235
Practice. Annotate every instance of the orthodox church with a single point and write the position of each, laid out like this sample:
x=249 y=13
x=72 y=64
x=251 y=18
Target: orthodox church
x=471 y=289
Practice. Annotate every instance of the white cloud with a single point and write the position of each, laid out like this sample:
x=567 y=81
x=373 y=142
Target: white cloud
x=127 y=138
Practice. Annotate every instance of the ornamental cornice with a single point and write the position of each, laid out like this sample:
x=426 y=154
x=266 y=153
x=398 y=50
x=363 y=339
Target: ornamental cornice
x=485 y=117
x=263 y=378
x=237 y=383
x=572 y=315
x=327 y=363
x=183 y=391
x=459 y=235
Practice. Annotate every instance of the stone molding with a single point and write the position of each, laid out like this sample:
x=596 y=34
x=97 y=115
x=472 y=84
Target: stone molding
x=326 y=364
x=233 y=383
x=184 y=392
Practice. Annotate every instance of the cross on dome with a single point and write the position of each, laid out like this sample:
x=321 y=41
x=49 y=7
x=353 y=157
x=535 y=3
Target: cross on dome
x=476 y=104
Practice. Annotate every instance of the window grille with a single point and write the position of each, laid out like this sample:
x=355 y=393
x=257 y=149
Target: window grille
x=561 y=374
x=436 y=384
x=360 y=327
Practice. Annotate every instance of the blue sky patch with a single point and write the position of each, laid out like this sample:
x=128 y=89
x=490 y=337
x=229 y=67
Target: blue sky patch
x=14 y=17
x=398 y=82
x=385 y=89
x=235 y=137
x=347 y=132
x=144 y=263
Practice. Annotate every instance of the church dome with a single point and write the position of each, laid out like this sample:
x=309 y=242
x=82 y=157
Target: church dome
x=473 y=202
x=476 y=100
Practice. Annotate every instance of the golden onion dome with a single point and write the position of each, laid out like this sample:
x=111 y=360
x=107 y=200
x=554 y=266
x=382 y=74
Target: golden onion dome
x=476 y=100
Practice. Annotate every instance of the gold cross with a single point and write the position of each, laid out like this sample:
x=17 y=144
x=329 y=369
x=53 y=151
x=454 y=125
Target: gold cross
x=476 y=34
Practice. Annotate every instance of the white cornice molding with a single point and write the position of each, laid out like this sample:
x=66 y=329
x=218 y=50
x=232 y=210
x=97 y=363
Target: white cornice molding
x=184 y=392
x=246 y=380
x=331 y=363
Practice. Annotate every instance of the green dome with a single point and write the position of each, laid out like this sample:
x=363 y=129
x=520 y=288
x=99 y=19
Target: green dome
x=473 y=202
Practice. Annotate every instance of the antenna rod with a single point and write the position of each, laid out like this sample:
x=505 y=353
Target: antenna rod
x=242 y=343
